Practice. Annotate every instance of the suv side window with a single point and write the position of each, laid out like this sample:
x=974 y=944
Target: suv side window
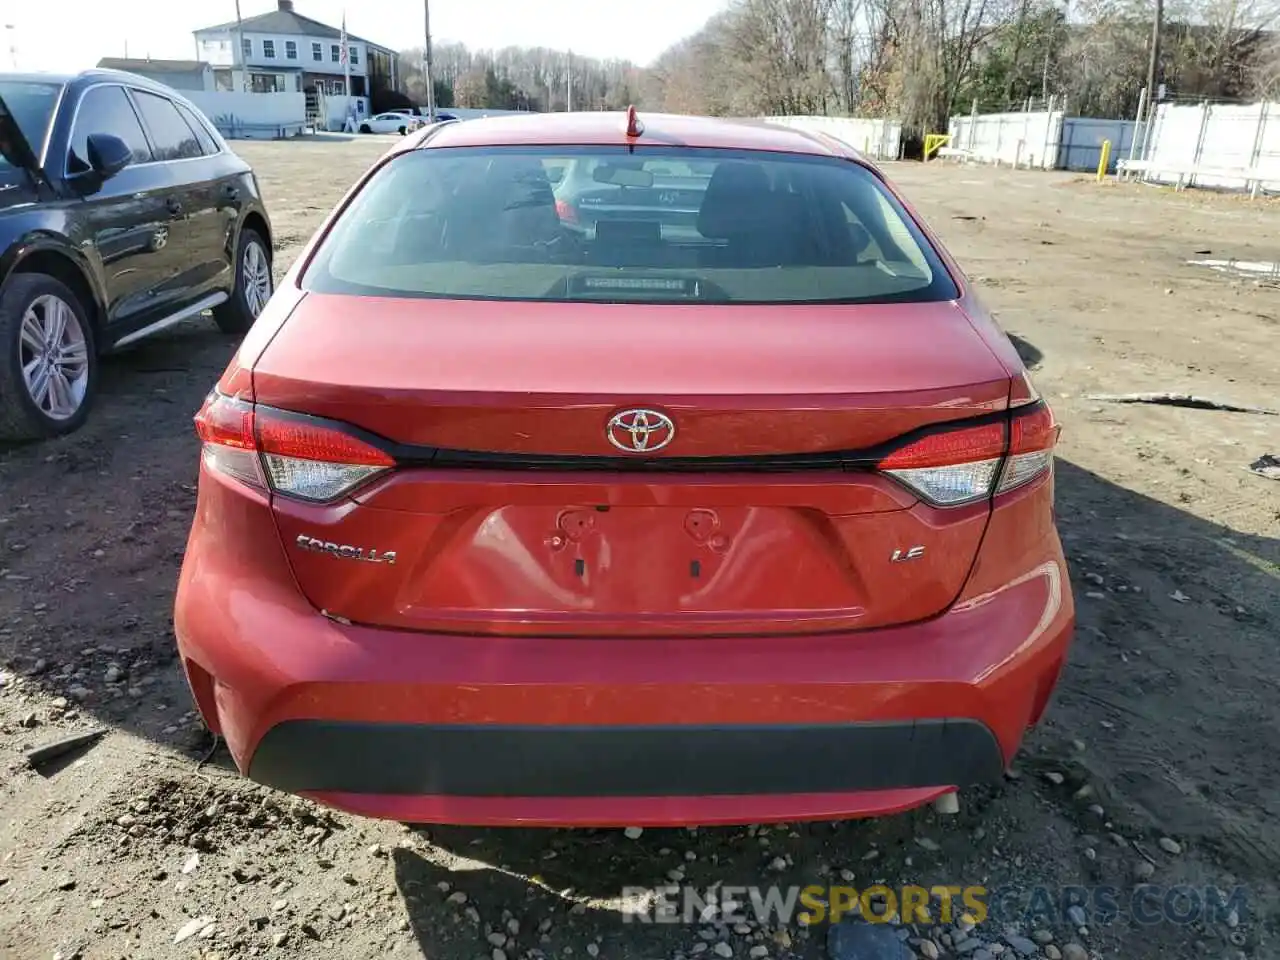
x=173 y=139
x=106 y=110
x=207 y=144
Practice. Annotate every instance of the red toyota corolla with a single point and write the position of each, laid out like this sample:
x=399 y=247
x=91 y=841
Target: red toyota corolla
x=593 y=469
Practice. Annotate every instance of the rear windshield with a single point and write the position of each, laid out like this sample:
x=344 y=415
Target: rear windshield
x=31 y=105
x=610 y=224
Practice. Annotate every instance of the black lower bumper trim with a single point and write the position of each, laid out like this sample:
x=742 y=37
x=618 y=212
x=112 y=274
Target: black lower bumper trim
x=581 y=761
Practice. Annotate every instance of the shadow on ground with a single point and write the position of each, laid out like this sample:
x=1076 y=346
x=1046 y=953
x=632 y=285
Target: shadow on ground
x=1027 y=350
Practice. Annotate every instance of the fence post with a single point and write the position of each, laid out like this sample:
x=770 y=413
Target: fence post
x=1137 y=121
x=1148 y=142
x=1048 y=124
x=973 y=123
x=1255 y=155
x=1205 y=110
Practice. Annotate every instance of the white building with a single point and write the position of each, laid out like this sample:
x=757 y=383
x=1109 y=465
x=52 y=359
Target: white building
x=285 y=52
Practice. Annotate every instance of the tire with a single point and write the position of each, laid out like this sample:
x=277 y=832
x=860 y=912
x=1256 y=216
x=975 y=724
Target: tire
x=29 y=303
x=403 y=131
x=365 y=128
x=249 y=297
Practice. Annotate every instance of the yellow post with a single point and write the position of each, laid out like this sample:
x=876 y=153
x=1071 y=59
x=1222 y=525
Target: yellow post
x=932 y=141
x=1104 y=159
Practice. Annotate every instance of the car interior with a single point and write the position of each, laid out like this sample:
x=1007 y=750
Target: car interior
x=502 y=210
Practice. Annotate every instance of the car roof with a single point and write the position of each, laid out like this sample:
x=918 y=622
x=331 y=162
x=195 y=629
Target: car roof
x=96 y=75
x=558 y=129
x=59 y=78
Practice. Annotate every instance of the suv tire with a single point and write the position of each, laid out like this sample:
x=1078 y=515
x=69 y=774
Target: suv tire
x=249 y=297
x=48 y=358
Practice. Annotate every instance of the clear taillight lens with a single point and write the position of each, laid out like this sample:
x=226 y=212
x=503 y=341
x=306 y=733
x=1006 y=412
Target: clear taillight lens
x=953 y=467
x=291 y=454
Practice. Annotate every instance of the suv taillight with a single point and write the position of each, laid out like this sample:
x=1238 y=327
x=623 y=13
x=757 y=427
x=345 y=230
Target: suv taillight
x=567 y=212
x=291 y=454
x=953 y=467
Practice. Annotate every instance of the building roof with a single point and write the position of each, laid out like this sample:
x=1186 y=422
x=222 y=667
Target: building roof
x=287 y=22
x=596 y=127
x=151 y=66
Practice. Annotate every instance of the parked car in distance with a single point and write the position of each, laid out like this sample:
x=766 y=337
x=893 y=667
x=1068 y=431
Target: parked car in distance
x=122 y=212
x=522 y=524
x=390 y=122
x=441 y=115
x=653 y=190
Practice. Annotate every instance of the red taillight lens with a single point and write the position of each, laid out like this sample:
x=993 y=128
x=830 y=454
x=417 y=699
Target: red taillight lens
x=949 y=447
x=953 y=467
x=295 y=455
x=566 y=211
x=303 y=438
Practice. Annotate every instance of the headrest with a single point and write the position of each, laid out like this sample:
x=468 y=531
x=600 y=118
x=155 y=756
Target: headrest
x=733 y=199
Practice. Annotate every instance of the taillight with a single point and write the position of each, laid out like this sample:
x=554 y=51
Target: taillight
x=953 y=467
x=1032 y=437
x=566 y=211
x=294 y=455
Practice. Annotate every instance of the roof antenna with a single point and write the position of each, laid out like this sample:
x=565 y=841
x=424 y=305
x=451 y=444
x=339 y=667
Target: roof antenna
x=634 y=126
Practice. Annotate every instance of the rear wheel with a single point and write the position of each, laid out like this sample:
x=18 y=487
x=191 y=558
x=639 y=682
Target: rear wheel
x=365 y=128
x=253 y=285
x=49 y=366
x=403 y=131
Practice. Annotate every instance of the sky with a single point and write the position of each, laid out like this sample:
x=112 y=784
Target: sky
x=65 y=35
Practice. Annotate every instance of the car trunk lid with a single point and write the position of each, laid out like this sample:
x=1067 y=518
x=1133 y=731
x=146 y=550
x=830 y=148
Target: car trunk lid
x=511 y=511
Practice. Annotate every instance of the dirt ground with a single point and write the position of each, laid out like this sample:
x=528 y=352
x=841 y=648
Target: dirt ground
x=1157 y=763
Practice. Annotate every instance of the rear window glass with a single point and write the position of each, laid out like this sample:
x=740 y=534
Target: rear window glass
x=608 y=224
x=31 y=106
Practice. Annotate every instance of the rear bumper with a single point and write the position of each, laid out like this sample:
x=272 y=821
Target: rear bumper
x=601 y=731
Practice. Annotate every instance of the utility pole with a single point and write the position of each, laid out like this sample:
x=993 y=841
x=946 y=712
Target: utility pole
x=1153 y=65
x=426 y=63
x=13 y=45
x=239 y=54
x=568 y=83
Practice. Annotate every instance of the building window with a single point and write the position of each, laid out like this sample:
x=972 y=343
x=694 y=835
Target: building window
x=291 y=50
x=355 y=56
x=267 y=82
x=316 y=52
x=335 y=53
x=269 y=49
x=246 y=46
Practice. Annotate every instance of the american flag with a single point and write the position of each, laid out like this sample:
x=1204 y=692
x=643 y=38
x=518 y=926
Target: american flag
x=343 y=42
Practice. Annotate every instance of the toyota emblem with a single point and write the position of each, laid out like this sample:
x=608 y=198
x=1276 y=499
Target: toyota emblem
x=640 y=431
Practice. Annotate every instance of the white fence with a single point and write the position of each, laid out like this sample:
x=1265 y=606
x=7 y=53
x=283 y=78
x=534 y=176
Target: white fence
x=881 y=139
x=252 y=115
x=1028 y=139
x=1212 y=145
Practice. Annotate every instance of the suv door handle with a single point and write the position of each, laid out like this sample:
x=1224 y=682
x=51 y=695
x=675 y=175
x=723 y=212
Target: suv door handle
x=174 y=206
x=231 y=192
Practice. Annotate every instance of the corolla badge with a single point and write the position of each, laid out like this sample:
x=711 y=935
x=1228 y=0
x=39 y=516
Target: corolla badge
x=345 y=551
x=640 y=431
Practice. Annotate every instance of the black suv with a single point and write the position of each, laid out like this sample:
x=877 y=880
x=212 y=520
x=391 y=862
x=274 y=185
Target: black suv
x=122 y=211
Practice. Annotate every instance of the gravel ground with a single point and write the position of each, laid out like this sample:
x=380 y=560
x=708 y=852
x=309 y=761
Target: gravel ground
x=1156 y=764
